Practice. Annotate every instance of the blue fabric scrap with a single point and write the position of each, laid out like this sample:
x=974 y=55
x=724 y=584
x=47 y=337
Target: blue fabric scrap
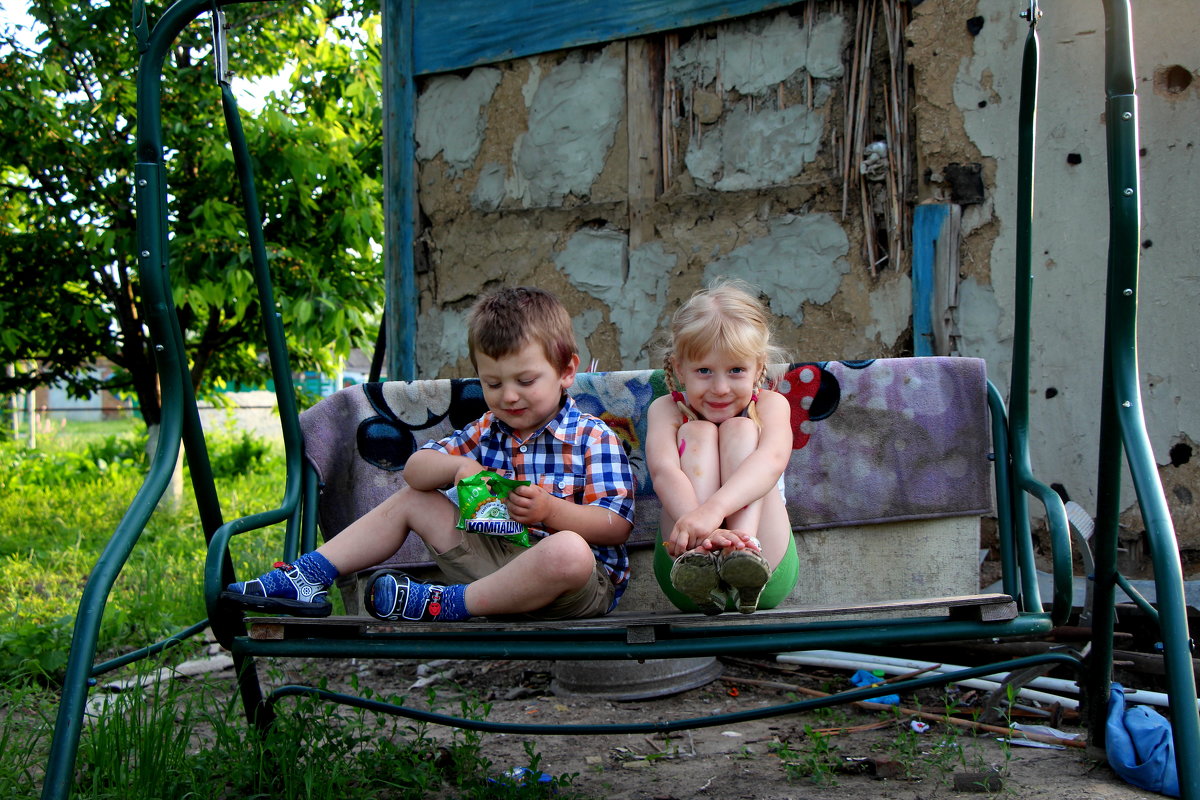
x=863 y=678
x=1139 y=745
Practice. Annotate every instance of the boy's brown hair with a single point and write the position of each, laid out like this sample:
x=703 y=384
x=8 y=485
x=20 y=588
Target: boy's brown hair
x=502 y=321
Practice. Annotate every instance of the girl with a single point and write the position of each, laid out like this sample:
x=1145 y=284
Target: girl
x=716 y=447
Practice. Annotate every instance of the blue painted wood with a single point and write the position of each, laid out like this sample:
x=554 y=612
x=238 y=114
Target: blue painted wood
x=454 y=34
x=928 y=222
x=400 y=189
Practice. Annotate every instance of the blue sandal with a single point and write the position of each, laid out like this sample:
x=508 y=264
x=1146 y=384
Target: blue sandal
x=393 y=595
x=295 y=594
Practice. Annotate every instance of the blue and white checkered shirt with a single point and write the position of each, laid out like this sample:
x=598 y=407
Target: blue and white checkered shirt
x=575 y=456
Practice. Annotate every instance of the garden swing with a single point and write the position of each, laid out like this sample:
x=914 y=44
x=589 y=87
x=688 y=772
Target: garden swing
x=424 y=38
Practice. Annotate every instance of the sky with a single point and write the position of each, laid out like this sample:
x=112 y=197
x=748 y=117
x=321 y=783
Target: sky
x=13 y=12
x=250 y=94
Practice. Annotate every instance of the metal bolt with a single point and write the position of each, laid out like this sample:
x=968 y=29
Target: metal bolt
x=1128 y=292
x=1126 y=404
x=1127 y=115
x=141 y=181
x=145 y=254
x=1128 y=193
x=158 y=348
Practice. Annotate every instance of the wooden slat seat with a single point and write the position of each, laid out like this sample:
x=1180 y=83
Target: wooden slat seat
x=978 y=608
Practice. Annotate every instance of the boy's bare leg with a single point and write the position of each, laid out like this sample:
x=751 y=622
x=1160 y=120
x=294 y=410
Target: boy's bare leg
x=558 y=564
x=379 y=533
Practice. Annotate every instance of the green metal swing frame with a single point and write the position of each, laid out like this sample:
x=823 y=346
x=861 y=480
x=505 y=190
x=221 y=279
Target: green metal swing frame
x=1121 y=429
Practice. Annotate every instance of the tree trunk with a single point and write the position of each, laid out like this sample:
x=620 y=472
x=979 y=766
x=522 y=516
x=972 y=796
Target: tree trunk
x=172 y=498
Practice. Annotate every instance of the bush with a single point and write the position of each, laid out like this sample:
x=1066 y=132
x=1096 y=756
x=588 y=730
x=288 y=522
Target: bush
x=53 y=467
x=233 y=454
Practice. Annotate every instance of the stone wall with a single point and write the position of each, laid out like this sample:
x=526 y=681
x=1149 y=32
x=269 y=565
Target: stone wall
x=625 y=176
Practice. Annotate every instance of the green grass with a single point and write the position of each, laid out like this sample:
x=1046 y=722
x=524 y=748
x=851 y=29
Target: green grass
x=59 y=505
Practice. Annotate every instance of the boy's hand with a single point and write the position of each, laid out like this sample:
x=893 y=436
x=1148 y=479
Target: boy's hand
x=529 y=505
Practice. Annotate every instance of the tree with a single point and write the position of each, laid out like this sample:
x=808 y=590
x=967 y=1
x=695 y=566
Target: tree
x=68 y=283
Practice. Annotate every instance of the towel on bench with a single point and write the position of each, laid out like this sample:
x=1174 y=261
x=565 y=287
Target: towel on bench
x=874 y=441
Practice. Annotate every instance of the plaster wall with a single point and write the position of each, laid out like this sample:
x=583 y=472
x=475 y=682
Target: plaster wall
x=1071 y=224
x=623 y=177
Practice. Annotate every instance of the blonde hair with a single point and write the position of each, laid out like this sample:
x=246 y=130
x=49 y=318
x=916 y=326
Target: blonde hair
x=726 y=317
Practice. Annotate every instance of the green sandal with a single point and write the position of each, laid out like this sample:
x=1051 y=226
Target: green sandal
x=745 y=573
x=694 y=574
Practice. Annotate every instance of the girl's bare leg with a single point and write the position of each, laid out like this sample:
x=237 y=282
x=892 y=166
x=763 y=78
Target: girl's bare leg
x=699 y=459
x=765 y=518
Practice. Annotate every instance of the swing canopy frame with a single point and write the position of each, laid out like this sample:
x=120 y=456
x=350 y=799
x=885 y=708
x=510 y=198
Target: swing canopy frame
x=422 y=37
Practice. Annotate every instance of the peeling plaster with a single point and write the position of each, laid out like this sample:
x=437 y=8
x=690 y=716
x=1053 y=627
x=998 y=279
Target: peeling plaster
x=752 y=56
x=595 y=263
x=443 y=340
x=980 y=322
x=490 y=187
x=650 y=268
x=801 y=259
x=756 y=150
x=585 y=324
x=573 y=120
x=891 y=311
x=452 y=116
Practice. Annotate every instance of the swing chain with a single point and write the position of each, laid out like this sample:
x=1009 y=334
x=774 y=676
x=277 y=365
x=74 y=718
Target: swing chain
x=1033 y=13
x=221 y=47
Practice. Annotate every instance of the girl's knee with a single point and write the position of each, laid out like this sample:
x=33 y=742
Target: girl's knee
x=740 y=427
x=698 y=430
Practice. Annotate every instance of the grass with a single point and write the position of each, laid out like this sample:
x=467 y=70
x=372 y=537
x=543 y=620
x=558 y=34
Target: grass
x=176 y=739
x=59 y=505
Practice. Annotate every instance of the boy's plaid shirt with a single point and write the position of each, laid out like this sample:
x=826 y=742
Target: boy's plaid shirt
x=575 y=456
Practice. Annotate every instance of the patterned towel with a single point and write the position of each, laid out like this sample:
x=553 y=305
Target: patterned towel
x=874 y=441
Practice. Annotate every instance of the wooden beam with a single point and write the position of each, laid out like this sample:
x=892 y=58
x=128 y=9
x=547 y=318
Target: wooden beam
x=455 y=34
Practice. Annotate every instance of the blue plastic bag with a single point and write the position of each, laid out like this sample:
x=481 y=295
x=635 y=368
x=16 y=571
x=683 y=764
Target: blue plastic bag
x=1139 y=744
x=863 y=678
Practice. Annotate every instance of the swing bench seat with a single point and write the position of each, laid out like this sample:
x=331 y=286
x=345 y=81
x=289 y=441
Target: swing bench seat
x=640 y=628
x=892 y=471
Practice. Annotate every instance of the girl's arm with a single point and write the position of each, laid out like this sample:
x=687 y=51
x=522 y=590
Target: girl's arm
x=671 y=484
x=759 y=472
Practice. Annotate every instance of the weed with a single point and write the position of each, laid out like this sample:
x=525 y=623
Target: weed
x=817 y=760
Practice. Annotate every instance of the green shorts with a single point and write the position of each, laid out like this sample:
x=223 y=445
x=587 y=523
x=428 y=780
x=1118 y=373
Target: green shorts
x=779 y=585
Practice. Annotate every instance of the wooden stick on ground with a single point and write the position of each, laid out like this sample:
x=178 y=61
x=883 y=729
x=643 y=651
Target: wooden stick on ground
x=917 y=713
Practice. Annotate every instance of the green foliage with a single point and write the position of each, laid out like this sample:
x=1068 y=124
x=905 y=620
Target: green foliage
x=234 y=453
x=57 y=512
x=25 y=729
x=67 y=460
x=816 y=758
x=67 y=237
x=148 y=739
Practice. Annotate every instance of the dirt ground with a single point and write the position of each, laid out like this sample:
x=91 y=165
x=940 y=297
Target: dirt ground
x=840 y=752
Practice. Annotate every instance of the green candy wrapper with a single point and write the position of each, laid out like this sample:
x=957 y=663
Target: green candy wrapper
x=481 y=507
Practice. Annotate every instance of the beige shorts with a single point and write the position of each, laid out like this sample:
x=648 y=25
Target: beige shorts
x=479 y=555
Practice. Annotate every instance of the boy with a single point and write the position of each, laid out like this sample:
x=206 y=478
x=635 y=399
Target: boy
x=578 y=506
